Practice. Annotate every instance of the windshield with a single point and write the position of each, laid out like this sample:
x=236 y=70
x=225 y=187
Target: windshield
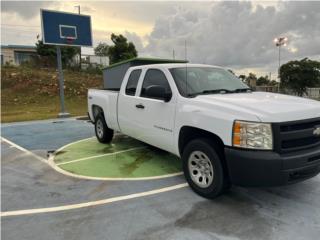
x=192 y=81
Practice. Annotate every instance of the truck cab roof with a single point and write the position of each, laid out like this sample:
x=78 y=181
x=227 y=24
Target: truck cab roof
x=173 y=65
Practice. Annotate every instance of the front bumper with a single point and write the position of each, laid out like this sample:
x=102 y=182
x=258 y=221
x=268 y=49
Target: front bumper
x=267 y=168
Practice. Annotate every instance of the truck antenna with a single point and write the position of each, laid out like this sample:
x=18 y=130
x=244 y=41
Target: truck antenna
x=185 y=58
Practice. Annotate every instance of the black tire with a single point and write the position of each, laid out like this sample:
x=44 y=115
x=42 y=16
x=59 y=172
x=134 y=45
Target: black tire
x=218 y=182
x=103 y=133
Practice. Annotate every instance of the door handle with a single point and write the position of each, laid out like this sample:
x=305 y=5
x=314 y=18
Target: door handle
x=140 y=106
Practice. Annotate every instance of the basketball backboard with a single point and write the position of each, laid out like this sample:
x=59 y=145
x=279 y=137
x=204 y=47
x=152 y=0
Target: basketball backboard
x=63 y=28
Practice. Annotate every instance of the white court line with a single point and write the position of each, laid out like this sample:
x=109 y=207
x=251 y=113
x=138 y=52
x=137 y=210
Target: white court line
x=93 y=203
x=64 y=172
x=52 y=164
x=24 y=150
x=98 y=156
x=51 y=120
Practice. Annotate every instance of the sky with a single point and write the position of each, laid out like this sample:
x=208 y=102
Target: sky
x=234 y=34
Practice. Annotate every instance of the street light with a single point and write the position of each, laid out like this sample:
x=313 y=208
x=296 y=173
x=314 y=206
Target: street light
x=280 y=41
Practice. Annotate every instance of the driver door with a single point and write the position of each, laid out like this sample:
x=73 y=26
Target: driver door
x=156 y=117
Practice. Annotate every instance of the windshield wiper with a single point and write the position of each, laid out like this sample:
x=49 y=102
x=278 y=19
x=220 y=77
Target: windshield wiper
x=238 y=90
x=220 y=90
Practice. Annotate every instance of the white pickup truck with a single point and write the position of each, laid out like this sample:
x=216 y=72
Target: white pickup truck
x=224 y=132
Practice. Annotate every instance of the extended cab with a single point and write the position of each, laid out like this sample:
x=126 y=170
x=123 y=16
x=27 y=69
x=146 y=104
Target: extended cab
x=224 y=132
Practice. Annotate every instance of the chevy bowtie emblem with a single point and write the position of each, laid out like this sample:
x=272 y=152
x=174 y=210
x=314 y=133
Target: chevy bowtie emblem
x=316 y=131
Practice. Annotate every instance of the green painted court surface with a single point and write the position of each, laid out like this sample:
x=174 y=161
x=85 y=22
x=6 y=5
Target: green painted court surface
x=124 y=157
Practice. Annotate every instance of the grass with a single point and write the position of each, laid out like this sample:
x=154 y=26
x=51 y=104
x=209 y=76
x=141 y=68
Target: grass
x=33 y=94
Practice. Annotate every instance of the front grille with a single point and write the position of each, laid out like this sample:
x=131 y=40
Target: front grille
x=296 y=135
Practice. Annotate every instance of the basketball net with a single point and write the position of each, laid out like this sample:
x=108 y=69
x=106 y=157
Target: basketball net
x=69 y=40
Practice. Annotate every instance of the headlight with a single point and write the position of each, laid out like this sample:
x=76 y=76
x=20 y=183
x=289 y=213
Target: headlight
x=252 y=135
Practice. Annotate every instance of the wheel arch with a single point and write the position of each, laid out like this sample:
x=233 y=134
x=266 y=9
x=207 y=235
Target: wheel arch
x=188 y=133
x=96 y=110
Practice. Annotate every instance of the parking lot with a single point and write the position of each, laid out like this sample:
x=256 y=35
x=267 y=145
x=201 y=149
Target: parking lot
x=47 y=196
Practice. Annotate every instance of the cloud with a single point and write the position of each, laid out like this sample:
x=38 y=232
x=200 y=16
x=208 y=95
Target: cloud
x=238 y=34
x=136 y=39
x=25 y=9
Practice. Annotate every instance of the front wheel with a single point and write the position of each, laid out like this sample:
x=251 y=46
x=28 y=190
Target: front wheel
x=203 y=168
x=103 y=133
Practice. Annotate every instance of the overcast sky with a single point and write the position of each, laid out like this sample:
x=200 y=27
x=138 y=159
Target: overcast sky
x=238 y=35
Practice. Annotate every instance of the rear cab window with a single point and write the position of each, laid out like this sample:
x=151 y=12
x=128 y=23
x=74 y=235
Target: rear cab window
x=133 y=82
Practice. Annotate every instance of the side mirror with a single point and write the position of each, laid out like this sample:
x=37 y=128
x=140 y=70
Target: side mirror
x=157 y=92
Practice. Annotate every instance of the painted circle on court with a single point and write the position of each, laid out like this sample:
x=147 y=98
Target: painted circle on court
x=124 y=158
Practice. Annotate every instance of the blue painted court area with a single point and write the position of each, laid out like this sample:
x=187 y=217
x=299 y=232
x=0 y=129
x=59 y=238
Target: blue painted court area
x=48 y=134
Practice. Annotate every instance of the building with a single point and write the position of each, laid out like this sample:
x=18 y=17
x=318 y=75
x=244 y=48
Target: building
x=93 y=60
x=98 y=60
x=17 y=54
x=267 y=88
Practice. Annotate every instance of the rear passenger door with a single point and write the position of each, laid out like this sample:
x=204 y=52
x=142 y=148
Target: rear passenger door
x=155 y=117
x=127 y=101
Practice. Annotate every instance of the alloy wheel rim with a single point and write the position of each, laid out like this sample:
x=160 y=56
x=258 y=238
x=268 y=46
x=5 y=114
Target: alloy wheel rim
x=200 y=169
x=99 y=129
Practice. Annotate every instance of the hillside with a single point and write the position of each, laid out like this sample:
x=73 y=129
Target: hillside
x=29 y=93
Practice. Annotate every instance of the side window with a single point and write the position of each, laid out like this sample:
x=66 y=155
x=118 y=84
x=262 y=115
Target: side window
x=133 y=82
x=154 y=77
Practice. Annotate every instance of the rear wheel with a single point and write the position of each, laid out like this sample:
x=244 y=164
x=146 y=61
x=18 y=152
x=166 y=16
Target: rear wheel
x=103 y=133
x=203 y=168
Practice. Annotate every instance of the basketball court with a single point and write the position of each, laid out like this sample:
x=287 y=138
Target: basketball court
x=47 y=203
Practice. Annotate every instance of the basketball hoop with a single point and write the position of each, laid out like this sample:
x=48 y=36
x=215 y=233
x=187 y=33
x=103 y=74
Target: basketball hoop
x=69 y=40
x=65 y=29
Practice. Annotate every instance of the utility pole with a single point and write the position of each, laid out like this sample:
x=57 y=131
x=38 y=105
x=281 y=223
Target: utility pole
x=173 y=55
x=79 y=12
x=185 y=50
x=78 y=6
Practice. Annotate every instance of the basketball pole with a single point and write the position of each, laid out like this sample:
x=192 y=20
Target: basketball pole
x=62 y=113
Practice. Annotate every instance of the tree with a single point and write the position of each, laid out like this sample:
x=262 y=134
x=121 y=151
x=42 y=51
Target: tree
x=251 y=77
x=263 y=81
x=242 y=77
x=274 y=83
x=121 y=50
x=102 y=49
x=67 y=53
x=251 y=80
x=298 y=75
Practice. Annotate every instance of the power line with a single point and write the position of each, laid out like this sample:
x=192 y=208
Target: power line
x=17 y=25
x=20 y=31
